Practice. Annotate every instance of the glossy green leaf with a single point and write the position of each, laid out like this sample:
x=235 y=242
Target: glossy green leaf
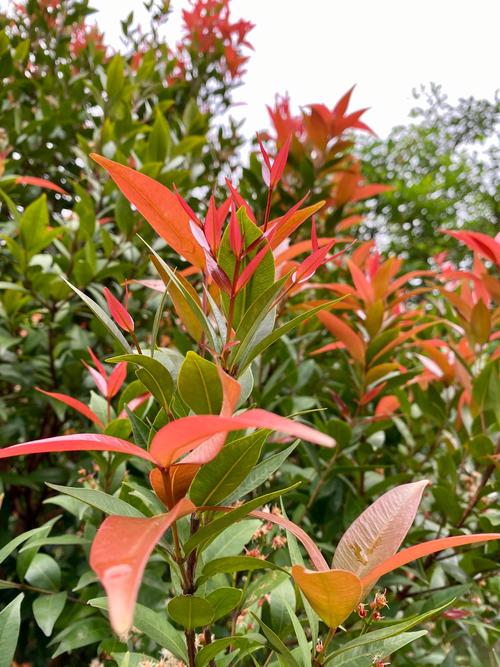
x=217 y=479
x=44 y=572
x=190 y=611
x=10 y=623
x=199 y=385
x=47 y=609
x=365 y=656
x=224 y=600
x=156 y=377
x=98 y=499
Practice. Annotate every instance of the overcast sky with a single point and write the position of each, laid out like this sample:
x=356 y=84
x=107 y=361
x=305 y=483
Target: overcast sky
x=316 y=49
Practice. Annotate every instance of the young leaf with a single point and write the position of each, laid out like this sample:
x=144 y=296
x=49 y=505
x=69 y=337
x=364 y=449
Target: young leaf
x=84 y=442
x=333 y=594
x=102 y=316
x=158 y=205
x=379 y=531
x=119 y=555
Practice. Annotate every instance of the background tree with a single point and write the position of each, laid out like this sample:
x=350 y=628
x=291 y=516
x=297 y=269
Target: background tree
x=444 y=167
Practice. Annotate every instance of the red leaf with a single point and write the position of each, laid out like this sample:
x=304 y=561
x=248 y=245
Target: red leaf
x=82 y=442
x=182 y=435
x=117 y=378
x=75 y=404
x=41 y=183
x=118 y=312
x=158 y=205
x=481 y=243
x=235 y=233
x=119 y=555
x=353 y=342
x=279 y=163
x=419 y=550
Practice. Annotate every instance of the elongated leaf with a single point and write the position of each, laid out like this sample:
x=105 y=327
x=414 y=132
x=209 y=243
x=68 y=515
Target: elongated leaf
x=379 y=531
x=158 y=205
x=102 y=316
x=76 y=405
x=161 y=385
x=421 y=550
x=353 y=341
x=280 y=332
x=98 y=499
x=10 y=623
x=210 y=531
x=304 y=646
x=155 y=626
x=210 y=651
x=11 y=546
x=261 y=472
x=231 y=564
x=60 y=540
x=364 y=656
x=84 y=442
x=217 y=479
x=276 y=643
x=199 y=385
x=119 y=555
x=333 y=594
x=391 y=631
x=169 y=276
x=183 y=435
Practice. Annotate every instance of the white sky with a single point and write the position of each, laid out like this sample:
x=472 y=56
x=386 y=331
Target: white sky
x=316 y=49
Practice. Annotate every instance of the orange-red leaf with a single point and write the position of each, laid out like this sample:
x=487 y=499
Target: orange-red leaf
x=41 y=183
x=159 y=206
x=338 y=328
x=119 y=555
x=75 y=404
x=82 y=442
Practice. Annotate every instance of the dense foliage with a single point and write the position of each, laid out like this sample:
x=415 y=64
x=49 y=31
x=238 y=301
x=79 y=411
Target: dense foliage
x=221 y=386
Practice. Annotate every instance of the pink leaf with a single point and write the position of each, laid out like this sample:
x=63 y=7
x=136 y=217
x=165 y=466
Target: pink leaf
x=183 y=435
x=378 y=532
x=118 y=312
x=418 y=551
x=279 y=163
x=119 y=555
x=82 y=442
x=75 y=404
x=41 y=183
x=117 y=378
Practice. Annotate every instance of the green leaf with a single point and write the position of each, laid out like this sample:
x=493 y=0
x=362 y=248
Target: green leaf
x=207 y=533
x=33 y=225
x=281 y=331
x=81 y=633
x=10 y=623
x=247 y=331
x=231 y=564
x=261 y=279
x=140 y=430
x=156 y=377
x=261 y=473
x=60 y=540
x=100 y=500
x=304 y=645
x=190 y=611
x=208 y=652
x=276 y=643
x=115 y=76
x=159 y=139
x=105 y=320
x=365 y=656
x=154 y=625
x=224 y=600
x=44 y=572
x=199 y=385
x=218 y=478
x=11 y=546
x=47 y=609
x=391 y=631
x=167 y=276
